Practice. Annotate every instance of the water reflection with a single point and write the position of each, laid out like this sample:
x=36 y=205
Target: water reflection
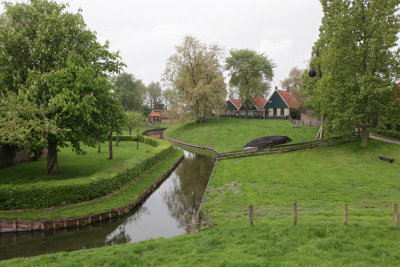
x=184 y=199
x=166 y=213
x=169 y=210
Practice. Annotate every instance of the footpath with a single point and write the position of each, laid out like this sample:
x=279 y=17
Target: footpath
x=384 y=139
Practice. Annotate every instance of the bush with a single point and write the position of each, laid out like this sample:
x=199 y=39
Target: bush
x=389 y=129
x=57 y=193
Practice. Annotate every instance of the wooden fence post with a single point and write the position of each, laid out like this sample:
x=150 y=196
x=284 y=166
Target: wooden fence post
x=346 y=214
x=396 y=215
x=251 y=215
x=294 y=213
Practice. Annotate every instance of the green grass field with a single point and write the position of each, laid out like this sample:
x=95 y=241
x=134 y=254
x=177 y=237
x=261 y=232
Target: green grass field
x=72 y=165
x=321 y=180
x=226 y=134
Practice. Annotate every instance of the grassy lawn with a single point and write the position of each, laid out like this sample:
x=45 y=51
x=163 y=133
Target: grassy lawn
x=72 y=165
x=115 y=201
x=321 y=180
x=262 y=245
x=226 y=134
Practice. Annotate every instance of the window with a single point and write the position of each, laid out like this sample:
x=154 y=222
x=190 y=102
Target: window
x=282 y=112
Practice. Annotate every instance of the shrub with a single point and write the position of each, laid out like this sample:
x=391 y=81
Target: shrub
x=63 y=192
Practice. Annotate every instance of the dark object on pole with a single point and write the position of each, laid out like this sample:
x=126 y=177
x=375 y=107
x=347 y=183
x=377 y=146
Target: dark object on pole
x=312 y=73
x=266 y=141
x=386 y=159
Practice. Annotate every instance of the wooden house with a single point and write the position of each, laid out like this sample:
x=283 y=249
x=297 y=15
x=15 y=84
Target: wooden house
x=155 y=116
x=237 y=108
x=280 y=104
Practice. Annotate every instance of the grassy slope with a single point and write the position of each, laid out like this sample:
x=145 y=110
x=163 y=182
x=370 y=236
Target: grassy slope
x=226 y=134
x=117 y=200
x=321 y=180
x=72 y=165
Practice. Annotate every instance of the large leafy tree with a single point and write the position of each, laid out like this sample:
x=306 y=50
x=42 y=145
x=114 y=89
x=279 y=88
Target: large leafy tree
x=49 y=59
x=250 y=74
x=358 y=64
x=130 y=91
x=195 y=73
x=294 y=84
x=153 y=91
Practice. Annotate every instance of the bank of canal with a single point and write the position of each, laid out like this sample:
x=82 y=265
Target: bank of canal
x=166 y=213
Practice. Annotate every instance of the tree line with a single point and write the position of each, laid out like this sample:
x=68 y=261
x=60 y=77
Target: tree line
x=60 y=87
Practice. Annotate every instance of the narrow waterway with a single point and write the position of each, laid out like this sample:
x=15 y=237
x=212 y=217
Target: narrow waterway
x=166 y=213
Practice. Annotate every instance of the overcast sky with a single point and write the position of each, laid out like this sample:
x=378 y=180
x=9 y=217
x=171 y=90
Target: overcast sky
x=147 y=31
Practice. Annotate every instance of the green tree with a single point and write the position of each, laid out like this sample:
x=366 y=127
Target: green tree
x=294 y=84
x=196 y=75
x=130 y=91
x=135 y=121
x=153 y=91
x=168 y=97
x=250 y=74
x=359 y=63
x=49 y=57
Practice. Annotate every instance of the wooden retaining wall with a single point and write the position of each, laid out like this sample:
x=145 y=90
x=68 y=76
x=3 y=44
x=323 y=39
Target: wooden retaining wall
x=45 y=225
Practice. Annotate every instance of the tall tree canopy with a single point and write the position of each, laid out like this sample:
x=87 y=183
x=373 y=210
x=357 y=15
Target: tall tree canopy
x=357 y=64
x=153 y=92
x=294 y=84
x=130 y=91
x=49 y=59
x=250 y=74
x=196 y=74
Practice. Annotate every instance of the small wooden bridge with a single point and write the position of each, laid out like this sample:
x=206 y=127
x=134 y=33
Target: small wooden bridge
x=285 y=148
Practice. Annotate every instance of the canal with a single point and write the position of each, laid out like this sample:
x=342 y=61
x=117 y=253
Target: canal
x=166 y=213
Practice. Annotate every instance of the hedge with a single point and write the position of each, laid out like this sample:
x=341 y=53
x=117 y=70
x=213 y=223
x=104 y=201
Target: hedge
x=57 y=193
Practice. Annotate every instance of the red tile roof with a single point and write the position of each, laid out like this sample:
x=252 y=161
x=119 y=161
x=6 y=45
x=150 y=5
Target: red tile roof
x=155 y=114
x=288 y=98
x=259 y=102
x=236 y=102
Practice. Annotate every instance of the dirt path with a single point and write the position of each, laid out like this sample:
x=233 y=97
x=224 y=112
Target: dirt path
x=384 y=139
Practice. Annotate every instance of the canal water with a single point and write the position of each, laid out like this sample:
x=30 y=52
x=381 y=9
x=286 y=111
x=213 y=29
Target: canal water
x=166 y=213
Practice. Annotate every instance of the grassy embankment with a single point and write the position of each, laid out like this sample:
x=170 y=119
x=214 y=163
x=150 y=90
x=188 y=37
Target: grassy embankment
x=90 y=165
x=226 y=134
x=321 y=180
x=72 y=165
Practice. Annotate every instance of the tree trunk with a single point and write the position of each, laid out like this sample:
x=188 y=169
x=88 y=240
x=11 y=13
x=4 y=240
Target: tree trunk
x=364 y=136
x=110 y=147
x=52 y=159
x=247 y=112
x=130 y=131
x=137 y=139
x=117 y=141
x=99 y=148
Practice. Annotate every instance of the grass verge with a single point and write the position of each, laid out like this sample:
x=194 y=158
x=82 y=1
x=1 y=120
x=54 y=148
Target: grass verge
x=262 y=245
